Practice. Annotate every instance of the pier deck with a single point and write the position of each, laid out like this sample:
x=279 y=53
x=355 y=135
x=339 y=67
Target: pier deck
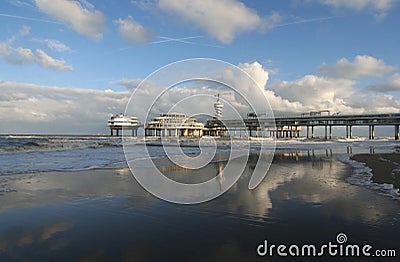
x=289 y=125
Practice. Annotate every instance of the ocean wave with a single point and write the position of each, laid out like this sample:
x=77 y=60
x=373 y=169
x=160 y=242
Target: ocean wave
x=30 y=154
x=30 y=143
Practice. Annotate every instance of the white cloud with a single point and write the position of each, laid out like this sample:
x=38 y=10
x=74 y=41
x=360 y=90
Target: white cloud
x=25 y=54
x=31 y=108
x=131 y=84
x=257 y=72
x=316 y=93
x=132 y=31
x=374 y=103
x=261 y=76
x=222 y=19
x=5 y=51
x=391 y=85
x=35 y=108
x=177 y=99
x=47 y=61
x=77 y=15
x=57 y=45
x=253 y=93
x=337 y=95
x=362 y=66
x=240 y=82
x=305 y=94
x=21 y=55
x=380 y=6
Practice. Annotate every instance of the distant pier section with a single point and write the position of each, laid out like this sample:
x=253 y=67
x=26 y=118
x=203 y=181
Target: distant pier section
x=290 y=126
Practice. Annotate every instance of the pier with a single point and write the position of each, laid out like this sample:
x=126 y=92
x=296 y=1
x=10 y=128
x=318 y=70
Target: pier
x=179 y=125
x=174 y=125
x=121 y=122
x=253 y=125
x=290 y=126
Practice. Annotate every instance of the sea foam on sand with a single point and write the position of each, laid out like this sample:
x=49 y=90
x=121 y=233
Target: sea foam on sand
x=362 y=176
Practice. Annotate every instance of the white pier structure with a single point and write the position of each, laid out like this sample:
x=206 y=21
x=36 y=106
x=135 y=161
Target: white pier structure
x=122 y=122
x=218 y=106
x=174 y=125
x=180 y=125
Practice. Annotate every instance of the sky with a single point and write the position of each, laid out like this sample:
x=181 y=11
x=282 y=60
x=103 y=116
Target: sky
x=67 y=66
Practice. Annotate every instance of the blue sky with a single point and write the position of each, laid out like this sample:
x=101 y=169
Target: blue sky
x=66 y=66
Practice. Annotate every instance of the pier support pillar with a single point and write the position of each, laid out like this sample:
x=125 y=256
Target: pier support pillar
x=371 y=132
x=350 y=131
x=111 y=132
x=308 y=131
x=330 y=132
x=396 y=132
x=326 y=132
x=312 y=131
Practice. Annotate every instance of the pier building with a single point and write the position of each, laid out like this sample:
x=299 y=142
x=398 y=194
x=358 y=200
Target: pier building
x=174 y=125
x=121 y=122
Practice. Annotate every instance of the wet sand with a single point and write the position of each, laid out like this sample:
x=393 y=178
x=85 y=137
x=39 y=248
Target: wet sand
x=385 y=167
x=104 y=215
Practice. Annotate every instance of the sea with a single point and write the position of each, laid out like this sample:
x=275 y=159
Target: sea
x=73 y=198
x=30 y=154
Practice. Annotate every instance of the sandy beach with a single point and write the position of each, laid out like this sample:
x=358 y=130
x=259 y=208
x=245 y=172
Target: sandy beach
x=103 y=214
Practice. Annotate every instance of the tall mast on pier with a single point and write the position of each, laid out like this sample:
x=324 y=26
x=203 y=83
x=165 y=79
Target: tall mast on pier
x=218 y=106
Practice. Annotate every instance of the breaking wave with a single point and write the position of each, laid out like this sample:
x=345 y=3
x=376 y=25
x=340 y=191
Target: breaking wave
x=11 y=144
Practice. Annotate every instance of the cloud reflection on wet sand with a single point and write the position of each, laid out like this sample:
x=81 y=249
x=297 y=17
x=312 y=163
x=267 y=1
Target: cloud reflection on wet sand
x=111 y=214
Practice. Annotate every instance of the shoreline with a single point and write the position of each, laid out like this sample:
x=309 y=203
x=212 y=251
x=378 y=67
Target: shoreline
x=385 y=167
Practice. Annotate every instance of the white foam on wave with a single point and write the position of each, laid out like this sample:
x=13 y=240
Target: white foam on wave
x=33 y=144
x=362 y=176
